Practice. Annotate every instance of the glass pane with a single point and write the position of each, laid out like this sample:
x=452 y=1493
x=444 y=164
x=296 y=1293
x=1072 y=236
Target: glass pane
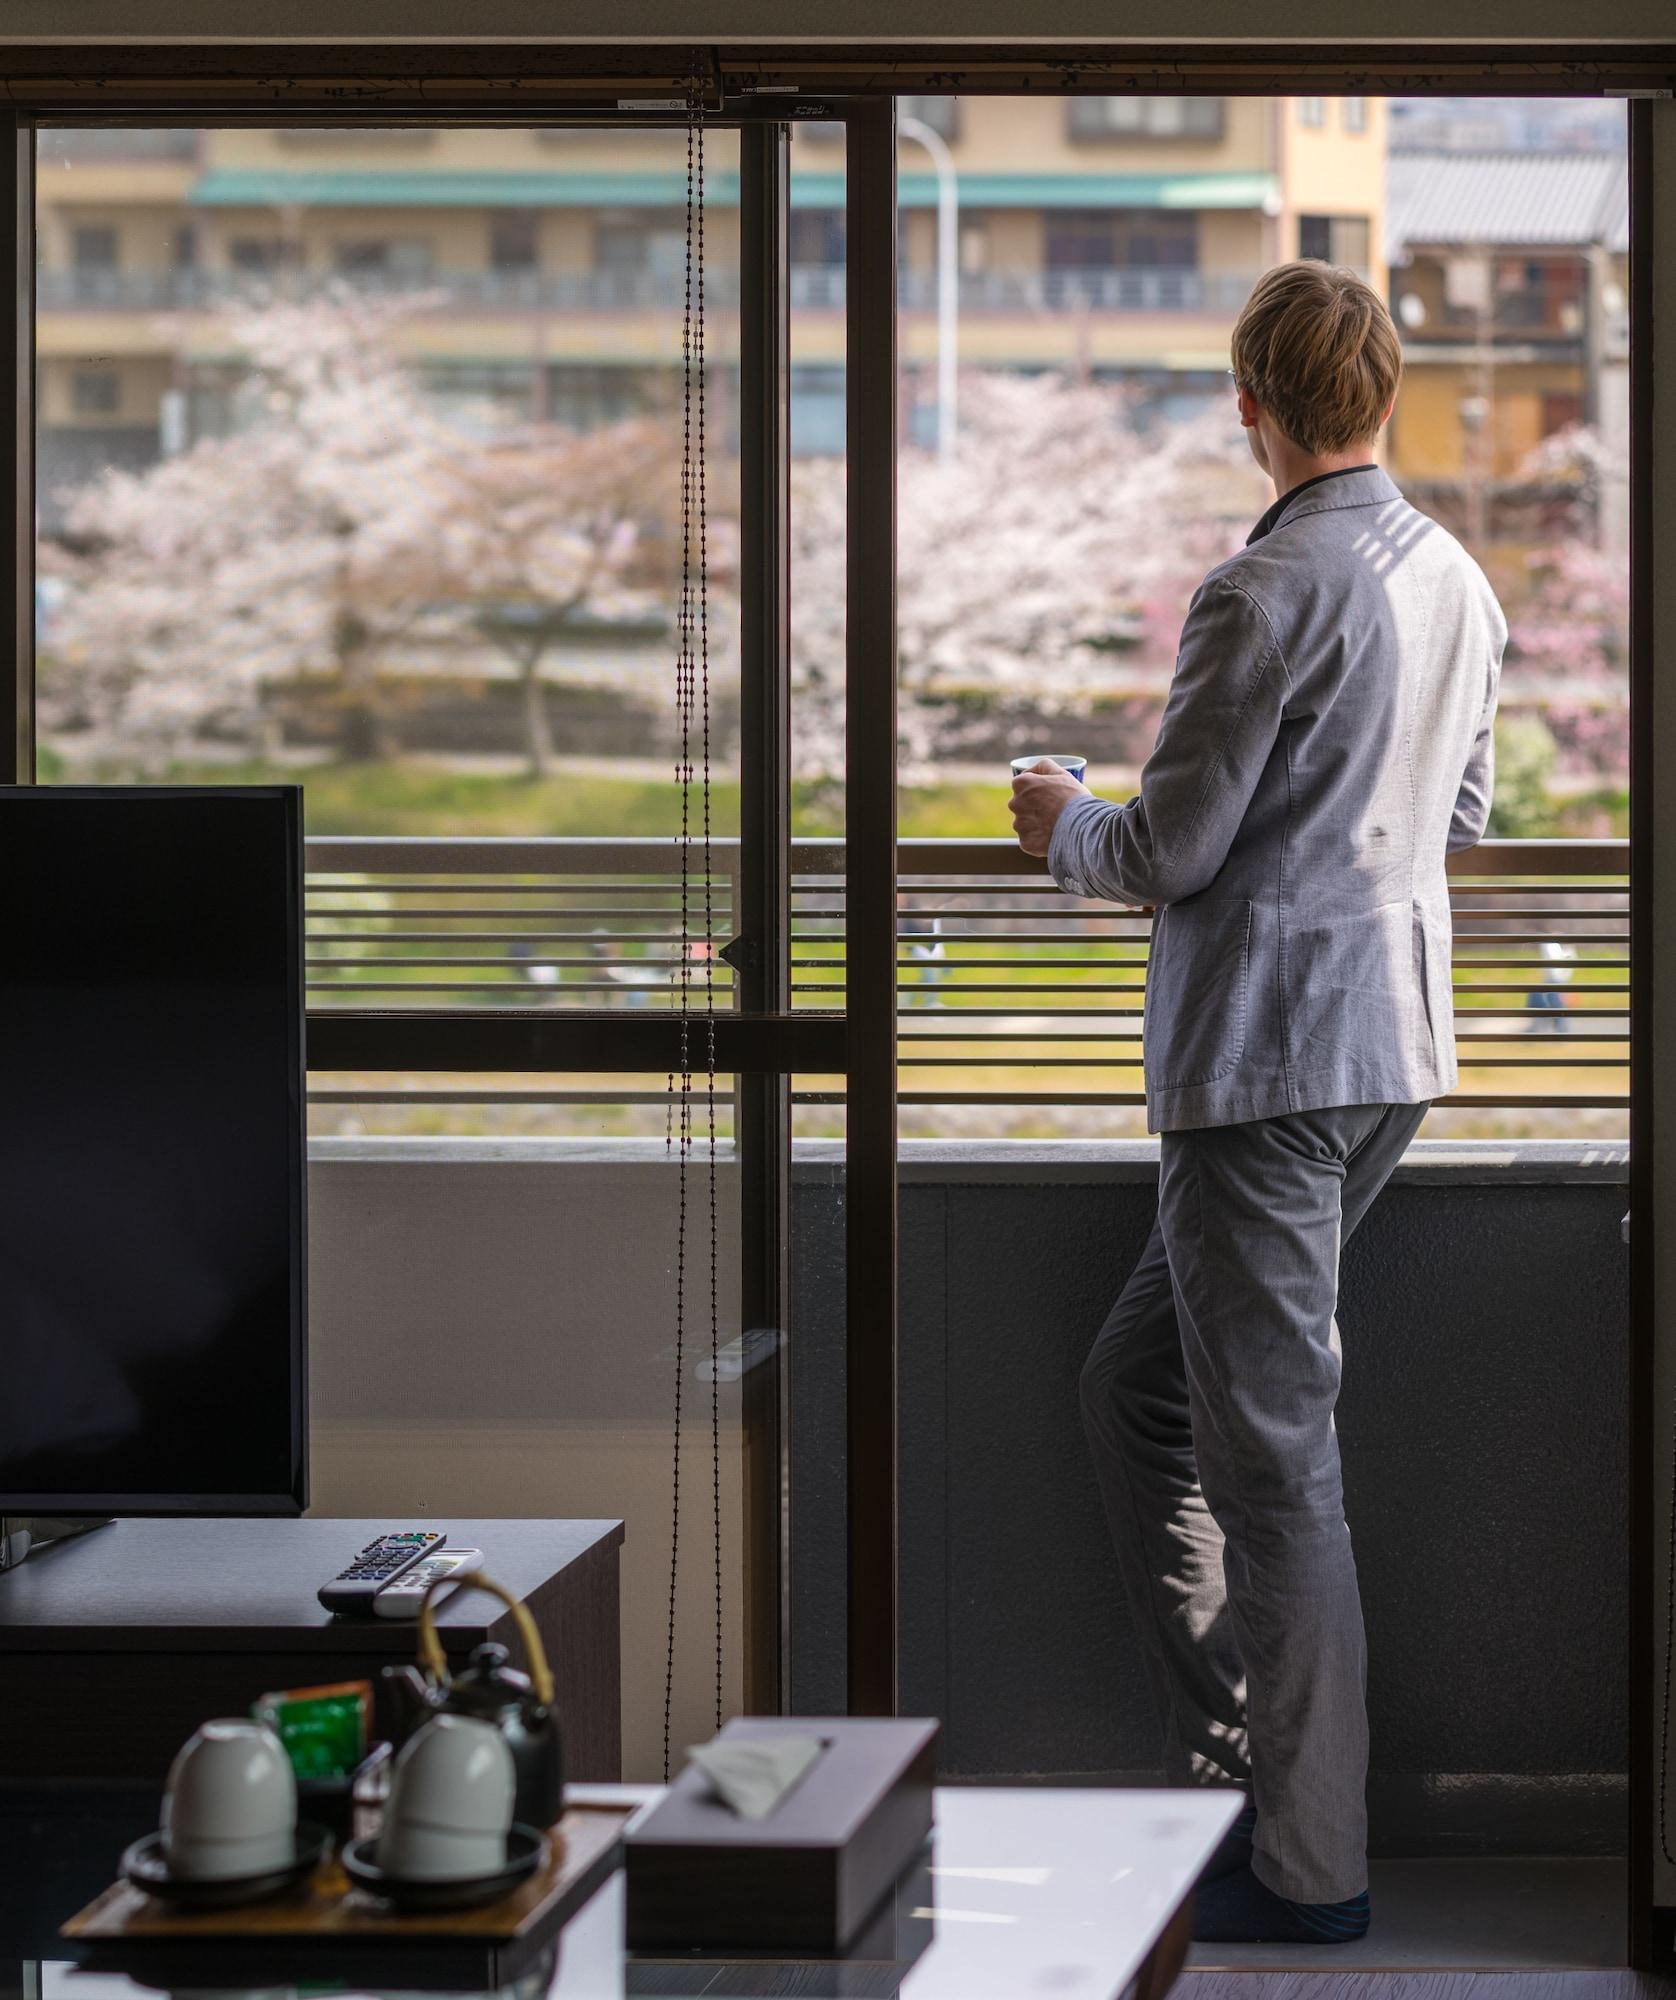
x=1048 y=554
x=1048 y=550
x=359 y=464
x=493 y=1327
x=818 y=500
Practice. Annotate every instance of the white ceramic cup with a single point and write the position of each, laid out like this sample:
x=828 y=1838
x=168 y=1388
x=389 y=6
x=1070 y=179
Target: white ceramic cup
x=1066 y=760
x=450 y=1803
x=230 y=1806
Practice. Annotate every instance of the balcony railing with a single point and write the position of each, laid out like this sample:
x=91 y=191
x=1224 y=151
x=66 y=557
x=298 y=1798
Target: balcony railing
x=814 y=287
x=1009 y=991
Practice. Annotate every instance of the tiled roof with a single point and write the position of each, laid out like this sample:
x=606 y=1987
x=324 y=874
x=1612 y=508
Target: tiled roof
x=1512 y=197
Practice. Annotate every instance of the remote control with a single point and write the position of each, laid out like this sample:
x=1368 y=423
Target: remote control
x=403 y=1598
x=354 y=1588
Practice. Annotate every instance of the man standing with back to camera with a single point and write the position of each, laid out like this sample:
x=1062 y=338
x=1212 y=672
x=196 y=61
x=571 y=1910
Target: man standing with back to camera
x=1326 y=743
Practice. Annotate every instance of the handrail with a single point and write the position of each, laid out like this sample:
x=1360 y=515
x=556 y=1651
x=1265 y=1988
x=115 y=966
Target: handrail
x=377 y=854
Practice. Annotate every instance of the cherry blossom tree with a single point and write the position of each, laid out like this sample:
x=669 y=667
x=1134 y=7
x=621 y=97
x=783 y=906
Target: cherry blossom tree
x=1063 y=534
x=539 y=528
x=345 y=515
x=1569 y=636
x=300 y=545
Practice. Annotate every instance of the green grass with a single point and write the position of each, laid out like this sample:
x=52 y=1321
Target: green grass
x=414 y=798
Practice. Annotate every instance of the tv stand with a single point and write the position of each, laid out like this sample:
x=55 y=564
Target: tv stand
x=21 y=1535
x=119 y=1645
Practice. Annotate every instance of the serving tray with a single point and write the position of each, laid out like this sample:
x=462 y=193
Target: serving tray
x=330 y=1930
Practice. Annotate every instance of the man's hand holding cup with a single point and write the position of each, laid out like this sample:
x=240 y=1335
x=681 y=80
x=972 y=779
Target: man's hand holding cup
x=1043 y=786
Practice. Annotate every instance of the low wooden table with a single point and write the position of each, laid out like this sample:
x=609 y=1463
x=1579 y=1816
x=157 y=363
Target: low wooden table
x=114 y=1647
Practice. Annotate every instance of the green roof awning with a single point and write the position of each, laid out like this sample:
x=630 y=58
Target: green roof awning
x=262 y=187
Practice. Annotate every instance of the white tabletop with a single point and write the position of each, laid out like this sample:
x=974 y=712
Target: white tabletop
x=1027 y=1893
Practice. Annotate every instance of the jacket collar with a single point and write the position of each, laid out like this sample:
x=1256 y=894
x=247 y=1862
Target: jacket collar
x=1354 y=486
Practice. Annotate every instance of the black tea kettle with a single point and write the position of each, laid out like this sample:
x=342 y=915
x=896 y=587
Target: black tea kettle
x=520 y=1706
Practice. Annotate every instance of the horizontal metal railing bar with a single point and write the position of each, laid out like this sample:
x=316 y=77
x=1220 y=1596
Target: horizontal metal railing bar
x=513 y=937
x=556 y=1097
x=1070 y=937
x=988 y=1038
x=1039 y=1013
x=1465 y=1100
x=475 y=987
x=667 y=887
x=1001 y=856
x=497 y=1095
x=1134 y=1014
x=494 y=854
x=475 y=915
x=561 y=854
x=1111 y=914
x=557 y=1042
x=1102 y=1062
x=1057 y=906
x=984 y=986
x=340 y=963
x=999 y=965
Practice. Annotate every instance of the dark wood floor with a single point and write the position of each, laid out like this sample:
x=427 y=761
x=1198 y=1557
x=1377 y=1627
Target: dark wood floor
x=1513 y=1985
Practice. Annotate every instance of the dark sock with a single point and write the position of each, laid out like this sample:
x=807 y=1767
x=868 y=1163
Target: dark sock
x=1238 y=1909
x=1234 y=1850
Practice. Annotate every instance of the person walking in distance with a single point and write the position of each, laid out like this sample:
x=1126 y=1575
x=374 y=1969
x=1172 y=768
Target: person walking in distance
x=1327 y=742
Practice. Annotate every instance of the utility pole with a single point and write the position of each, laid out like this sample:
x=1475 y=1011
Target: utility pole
x=948 y=276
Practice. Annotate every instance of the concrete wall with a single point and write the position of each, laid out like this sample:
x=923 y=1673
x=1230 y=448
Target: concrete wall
x=492 y=1332
x=1485 y=1319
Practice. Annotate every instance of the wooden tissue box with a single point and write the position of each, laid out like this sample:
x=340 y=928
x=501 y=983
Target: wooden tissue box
x=807 y=1876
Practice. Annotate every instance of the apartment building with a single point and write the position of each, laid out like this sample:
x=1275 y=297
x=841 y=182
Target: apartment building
x=542 y=268
x=1509 y=278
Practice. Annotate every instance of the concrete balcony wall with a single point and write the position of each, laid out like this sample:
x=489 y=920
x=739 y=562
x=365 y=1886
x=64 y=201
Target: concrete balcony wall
x=492 y=1334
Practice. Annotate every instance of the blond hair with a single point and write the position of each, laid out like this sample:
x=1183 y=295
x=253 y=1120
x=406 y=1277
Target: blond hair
x=1316 y=347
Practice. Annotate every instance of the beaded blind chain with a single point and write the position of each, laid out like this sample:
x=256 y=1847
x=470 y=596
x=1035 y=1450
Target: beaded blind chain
x=692 y=708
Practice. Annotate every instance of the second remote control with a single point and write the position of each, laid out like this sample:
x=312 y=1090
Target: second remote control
x=378 y=1563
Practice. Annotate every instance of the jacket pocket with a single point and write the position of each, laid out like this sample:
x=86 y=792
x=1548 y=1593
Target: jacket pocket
x=1196 y=992
x=1351 y=996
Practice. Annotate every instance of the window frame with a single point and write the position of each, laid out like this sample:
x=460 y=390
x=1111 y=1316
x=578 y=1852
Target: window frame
x=764 y=1042
x=437 y=80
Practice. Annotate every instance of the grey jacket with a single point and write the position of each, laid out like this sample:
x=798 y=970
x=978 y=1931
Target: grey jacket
x=1327 y=740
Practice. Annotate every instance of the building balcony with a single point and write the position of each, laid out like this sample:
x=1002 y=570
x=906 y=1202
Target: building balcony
x=814 y=288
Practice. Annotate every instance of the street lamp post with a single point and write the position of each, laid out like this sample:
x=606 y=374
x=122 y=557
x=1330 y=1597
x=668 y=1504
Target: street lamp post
x=948 y=275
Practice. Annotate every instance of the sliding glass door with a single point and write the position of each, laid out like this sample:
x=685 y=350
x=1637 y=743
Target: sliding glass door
x=444 y=470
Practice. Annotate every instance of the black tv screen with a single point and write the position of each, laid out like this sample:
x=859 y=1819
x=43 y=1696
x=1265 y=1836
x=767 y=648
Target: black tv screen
x=152 y=1332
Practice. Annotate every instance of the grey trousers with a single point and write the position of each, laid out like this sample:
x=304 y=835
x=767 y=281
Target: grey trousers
x=1208 y=1401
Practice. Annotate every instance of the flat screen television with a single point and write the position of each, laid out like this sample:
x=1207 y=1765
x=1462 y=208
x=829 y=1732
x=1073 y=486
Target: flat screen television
x=152 y=1315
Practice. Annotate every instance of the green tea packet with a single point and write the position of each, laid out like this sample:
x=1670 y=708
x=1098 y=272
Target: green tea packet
x=324 y=1729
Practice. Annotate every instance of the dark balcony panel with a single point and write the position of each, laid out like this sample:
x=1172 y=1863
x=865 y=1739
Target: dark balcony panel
x=1484 y=1316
